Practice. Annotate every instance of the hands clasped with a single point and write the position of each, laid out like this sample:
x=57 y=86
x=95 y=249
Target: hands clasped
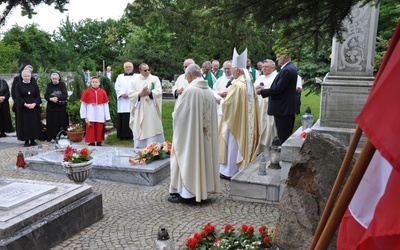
x=30 y=105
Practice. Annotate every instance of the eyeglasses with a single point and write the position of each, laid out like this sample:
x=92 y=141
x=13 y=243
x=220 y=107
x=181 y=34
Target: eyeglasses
x=145 y=70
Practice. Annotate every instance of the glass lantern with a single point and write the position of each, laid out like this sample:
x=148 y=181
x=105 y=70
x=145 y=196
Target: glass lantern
x=262 y=165
x=163 y=241
x=275 y=154
x=307 y=119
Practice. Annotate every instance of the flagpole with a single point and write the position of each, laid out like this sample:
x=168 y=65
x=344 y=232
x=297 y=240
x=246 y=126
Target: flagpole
x=344 y=168
x=346 y=195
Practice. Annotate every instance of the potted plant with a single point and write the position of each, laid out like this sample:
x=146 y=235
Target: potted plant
x=75 y=132
x=77 y=164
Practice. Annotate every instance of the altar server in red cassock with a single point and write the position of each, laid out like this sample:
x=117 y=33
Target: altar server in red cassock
x=95 y=111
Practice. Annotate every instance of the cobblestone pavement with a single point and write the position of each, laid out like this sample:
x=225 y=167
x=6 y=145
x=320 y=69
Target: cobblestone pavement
x=133 y=214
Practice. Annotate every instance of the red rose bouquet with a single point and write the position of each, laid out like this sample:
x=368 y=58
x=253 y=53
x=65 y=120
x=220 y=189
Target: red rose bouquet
x=74 y=155
x=229 y=239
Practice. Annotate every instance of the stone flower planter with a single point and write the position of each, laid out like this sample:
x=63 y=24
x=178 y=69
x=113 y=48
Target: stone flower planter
x=77 y=172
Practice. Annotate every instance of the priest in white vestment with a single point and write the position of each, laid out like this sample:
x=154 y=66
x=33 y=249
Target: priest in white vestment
x=145 y=94
x=267 y=122
x=181 y=83
x=122 y=85
x=239 y=129
x=221 y=86
x=194 y=156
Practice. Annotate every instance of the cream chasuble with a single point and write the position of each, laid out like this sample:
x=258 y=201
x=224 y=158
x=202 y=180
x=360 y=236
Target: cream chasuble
x=240 y=118
x=145 y=117
x=181 y=82
x=194 y=156
x=267 y=122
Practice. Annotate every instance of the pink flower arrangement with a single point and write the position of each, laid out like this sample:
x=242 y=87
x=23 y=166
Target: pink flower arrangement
x=153 y=151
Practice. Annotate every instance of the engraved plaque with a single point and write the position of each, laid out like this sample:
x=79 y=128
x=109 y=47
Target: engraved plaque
x=16 y=194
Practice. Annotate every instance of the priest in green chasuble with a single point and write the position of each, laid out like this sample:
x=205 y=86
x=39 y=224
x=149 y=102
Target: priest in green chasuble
x=194 y=156
x=145 y=93
x=239 y=128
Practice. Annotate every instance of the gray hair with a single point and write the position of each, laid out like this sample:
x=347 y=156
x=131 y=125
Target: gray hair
x=141 y=65
x=206 y=63
x=194 y=70
x=270 y=61
x=190 y=60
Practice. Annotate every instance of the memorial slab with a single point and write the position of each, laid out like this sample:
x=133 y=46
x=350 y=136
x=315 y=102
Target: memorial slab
x=46 y=214
x=16 y=194
x=109 y=163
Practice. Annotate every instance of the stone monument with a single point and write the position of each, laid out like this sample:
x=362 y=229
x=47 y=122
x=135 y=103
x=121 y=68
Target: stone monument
x=346 y=89
x=39 y=215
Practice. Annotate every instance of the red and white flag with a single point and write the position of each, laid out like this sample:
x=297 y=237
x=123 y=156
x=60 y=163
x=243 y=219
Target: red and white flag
x=372 y=220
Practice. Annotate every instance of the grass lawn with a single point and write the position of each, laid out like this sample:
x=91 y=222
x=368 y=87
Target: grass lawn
x=311 y=101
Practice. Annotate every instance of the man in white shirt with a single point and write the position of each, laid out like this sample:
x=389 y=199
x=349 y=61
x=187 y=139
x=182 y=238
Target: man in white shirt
x=267 y=122
x=221 y=86
x=299 y=89
x=123 y=103
x=181 y=83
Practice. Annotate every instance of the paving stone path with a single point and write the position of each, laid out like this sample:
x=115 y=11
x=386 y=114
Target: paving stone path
x=133 y=214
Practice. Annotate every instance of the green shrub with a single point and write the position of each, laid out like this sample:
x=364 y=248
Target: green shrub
x=106 y=84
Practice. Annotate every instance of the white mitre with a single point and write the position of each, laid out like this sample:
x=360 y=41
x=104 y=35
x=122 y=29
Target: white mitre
x=240 y=61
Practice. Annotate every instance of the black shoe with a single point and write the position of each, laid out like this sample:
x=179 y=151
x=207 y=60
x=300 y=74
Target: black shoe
x=224 y=177
x=33 y=143
x=92 y=144
x=26 y=144
x=178 y=199
x=3 y=135
x=98 y=143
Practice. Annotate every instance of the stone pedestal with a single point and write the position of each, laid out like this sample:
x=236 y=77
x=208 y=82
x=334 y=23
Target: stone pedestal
x=39 y=215
x=346 y=89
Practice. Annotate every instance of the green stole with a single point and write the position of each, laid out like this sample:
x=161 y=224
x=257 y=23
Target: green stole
x=208 y=78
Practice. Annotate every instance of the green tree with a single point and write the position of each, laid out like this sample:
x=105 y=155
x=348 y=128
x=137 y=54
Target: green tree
x=8 y=57
x=87 y=43
x=36 y=46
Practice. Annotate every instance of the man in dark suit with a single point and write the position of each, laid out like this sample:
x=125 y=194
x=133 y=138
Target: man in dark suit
x=282 y=96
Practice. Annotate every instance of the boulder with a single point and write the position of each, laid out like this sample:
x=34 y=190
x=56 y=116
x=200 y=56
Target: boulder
x=310 y=180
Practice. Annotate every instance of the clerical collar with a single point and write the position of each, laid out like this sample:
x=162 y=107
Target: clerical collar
x=128 y=74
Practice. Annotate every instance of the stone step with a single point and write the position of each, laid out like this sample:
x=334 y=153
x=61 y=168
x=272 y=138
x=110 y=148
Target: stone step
x=248 y=185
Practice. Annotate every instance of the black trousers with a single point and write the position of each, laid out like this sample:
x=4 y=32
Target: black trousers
x=284 y=126
x=123 y=129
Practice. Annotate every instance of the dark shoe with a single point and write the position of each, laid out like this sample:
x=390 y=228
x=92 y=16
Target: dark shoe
x=178 y=199
x=3 y=135
x=98 y=143
x=92 y=144
x=26 y=144
x=33 y=143
x=224 y=177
